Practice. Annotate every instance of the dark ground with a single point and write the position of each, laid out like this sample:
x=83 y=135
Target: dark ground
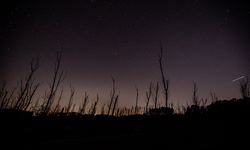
x=134 y=132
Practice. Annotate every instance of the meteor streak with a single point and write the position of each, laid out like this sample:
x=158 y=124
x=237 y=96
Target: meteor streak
x=238 y=78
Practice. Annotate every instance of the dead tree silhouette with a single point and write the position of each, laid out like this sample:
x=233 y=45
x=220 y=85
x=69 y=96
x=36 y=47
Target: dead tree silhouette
x=164 y=81
x=82 y=108
x=57 y=79
x=115 y=104
x=70 y=99
x=136 y=101
x=112 y=95
x=94 y=106
x=156 y=94
x=26 y=93
x=148 y=94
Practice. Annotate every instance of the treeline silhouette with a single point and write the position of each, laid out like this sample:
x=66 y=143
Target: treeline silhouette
x=20 y=100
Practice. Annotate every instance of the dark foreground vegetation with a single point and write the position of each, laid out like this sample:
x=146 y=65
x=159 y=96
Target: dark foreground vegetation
x=45 y=124
x=222 y=124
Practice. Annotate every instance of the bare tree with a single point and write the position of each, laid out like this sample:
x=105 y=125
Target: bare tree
x=156 y=94
x=29 y=95
x=148 y=94
x=58 y=102
x=9 y=99
x=3 y=94
x=90 y=109
x=214 y=97
x=136 y=104
x=25 y=94
x=112 y=95
x=115 y=104
x=70 y=99
x=245 y=88
x=73 y=108
x=203 y=102
x=94 y=106
x=195 y=96
x=83 y=106
x=49 y=96
x=164 y=81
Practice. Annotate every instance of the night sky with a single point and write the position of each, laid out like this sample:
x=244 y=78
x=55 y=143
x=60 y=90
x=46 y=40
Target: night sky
x=206 y=42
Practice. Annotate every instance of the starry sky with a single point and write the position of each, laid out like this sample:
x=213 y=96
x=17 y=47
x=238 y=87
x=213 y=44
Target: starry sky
x=206 y=42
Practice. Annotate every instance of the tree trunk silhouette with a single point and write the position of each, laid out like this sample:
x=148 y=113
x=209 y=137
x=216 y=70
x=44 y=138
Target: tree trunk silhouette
x=70 y=99
x=156 y=89
x=94 y=106
x=115 y=104
x=148 y=94
x=195 y=96
x=58 y=103
x=82 y=108
x=112 y=95
x=136 y=103
x=164 y=81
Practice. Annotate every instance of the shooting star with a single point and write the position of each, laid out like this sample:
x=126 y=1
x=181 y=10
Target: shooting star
x=238 y=78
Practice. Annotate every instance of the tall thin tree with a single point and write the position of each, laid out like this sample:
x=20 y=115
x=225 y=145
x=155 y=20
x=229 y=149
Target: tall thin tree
x=156 y=94
x=70 y=99
x=115 y=104
x=148 y=94
x=112 y=95
x=195 y=96
x=136 y=103
x=164 y=81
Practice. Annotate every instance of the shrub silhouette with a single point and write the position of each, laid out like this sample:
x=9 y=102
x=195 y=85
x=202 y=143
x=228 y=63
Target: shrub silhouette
x=229 y=108
x=161 y=111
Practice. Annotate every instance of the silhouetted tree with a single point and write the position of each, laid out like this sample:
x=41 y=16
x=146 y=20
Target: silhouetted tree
x=156 y=94
x=5 y=97
x=195 y=96
x=136 y=101
x=204 y=102
x=3 y=94
x=164 y=81
x=49 y=96
x=70 y=99
x=58 y=103
x=115 y=104
x=148 y=94
x=90 y=109
x=245 y=88
x=112 y=95
x=195 y=109
x=83 y=106
x=26 y=93
x=94 y=106
x=214 y=97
